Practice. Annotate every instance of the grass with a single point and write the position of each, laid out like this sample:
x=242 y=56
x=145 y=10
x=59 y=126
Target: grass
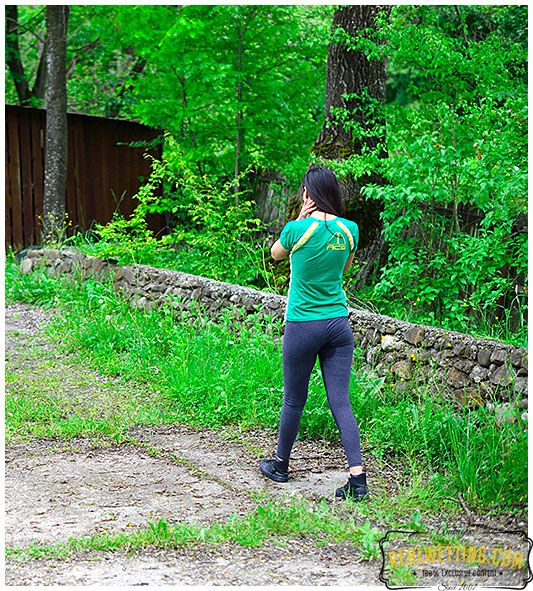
x=270 y=521
x=215 y=375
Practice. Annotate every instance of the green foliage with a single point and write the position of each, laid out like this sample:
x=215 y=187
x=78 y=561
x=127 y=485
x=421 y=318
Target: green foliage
x=214 y=225
x=456 y=173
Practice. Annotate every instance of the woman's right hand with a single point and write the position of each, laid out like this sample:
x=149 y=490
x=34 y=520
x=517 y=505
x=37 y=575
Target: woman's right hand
x=307 y=209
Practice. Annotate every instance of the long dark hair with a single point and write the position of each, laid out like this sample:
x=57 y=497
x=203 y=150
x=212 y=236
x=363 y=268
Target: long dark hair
x=323 y=188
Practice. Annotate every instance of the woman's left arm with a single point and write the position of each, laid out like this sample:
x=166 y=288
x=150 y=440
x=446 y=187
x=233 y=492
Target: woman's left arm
x=278 y=252
x=348 y=263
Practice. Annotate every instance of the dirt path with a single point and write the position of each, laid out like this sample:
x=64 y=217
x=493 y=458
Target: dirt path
x=56 y=489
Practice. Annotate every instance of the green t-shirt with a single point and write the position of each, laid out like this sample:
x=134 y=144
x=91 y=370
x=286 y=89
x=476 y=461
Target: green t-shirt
x=319 y=251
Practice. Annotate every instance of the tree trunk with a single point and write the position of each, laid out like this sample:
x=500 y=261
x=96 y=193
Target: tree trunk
x=56 y=121
x=13 y=58
x=350 y=72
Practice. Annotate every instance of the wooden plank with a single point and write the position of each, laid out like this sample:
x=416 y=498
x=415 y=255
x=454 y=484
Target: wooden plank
x=28 y=223
x=37 y=166
x=88 y=171
x=70 y=186
x=13 y=180
x=8 y=227
x=77 y=132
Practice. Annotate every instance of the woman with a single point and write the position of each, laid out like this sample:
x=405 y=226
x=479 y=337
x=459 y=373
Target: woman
x=321 y=245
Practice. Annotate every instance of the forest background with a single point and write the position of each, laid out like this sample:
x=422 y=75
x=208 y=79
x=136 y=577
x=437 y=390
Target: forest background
x=240 y=94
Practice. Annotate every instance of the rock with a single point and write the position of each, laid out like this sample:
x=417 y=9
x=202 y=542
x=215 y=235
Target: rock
x=456 y=378
x=250 y=306
x=464 y=365
x=51 y=253
x=372 y=355
x=400 y=387
x=414 y=335
x=469 y=397
x=26 y=266
x=502 y=376
x=516 y=357
x=471 y=351
x=196 y=293
x=459 y=348
x=483 y=357
x=33 y=254
x=498 y=356
x=389 y=343
x=520 y=385
x=272 y=304
x=523 y=416
x=479 y=374
x=522 y=405
x=374 y=337
x=504 y=412
x=523 y=363
x=403 y=369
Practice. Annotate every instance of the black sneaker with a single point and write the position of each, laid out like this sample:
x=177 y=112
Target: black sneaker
x=275 y=470
x=354 y=489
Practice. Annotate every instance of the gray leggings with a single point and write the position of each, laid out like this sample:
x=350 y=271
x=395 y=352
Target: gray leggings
x=332 y=341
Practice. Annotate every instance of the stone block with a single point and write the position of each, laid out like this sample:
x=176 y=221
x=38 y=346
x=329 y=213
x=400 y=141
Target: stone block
x=520 y=384
x=456 y=378
x=469 y=397
x=502 y=376
x=504 y=412
x=498 y=356
x=414 y=335
x=483 y=357
x=471 y=351
x=26 y=266
x=372 y=355
x=516 y=357
x=390 y=343
x=250 y=305
x=403 y=369
x=479 y=374
x=273 y=304
x=464 y=365
x=34 y=254
x=459 y=348
x=51 y=253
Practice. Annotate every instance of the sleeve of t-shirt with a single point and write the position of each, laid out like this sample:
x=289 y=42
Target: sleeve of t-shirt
x=354 y=229
x=287 y=236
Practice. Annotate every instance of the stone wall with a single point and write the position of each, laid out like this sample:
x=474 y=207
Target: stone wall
x=472 y=370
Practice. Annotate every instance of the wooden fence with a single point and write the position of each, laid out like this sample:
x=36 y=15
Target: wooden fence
x=102 y=173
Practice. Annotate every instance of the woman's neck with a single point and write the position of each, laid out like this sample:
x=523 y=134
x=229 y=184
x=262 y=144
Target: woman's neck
x=321 y=215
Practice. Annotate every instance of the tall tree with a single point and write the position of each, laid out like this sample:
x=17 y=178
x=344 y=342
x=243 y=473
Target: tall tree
x=353 y=127
x=26 y=94
x=56 y=119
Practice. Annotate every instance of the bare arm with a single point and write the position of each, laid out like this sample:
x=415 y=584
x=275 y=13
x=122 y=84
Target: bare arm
x=278 y=252
x=348 y=263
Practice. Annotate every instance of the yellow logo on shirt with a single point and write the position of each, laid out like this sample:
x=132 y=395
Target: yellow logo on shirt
x=337 y=242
